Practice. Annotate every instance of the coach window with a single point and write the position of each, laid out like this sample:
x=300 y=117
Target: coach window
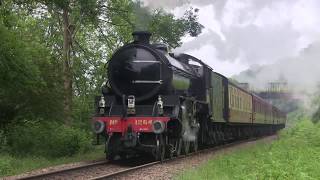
x=232 y=94
x=247 y=105
x=242 y=100
x=230 y=104
x=237 y=102
x=231 y=97
x=234 y=98
x=240 y=97
x=244 y=103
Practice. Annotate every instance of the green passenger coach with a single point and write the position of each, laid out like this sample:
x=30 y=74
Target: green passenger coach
x=234 y=105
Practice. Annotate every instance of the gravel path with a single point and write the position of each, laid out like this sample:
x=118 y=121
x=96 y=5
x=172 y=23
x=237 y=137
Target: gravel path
x=170 y=169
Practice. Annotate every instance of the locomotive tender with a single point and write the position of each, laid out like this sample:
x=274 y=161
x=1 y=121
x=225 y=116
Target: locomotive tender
x=165 y=104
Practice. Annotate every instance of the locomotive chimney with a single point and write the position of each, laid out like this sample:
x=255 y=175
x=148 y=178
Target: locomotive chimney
x=141 y=37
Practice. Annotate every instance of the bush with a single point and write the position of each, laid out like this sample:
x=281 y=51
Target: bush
x=316 y=116
x=3 y=140
x=5 y=165
x=48 y=139
x=68 y=141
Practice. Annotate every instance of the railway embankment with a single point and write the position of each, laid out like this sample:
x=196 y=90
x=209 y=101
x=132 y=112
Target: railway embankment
x=29 y=165
x=295 y=155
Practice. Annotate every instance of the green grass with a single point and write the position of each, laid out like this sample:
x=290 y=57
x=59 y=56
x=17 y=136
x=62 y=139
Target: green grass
x=296 y=155
x=12 y=165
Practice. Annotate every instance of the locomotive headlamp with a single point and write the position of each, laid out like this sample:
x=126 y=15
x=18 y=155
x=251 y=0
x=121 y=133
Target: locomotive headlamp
x=102 y=105
x=102 y=102
x=158 y=127
x=131 y=105
x=98 y=126
x=131 y=101
x=160 y=105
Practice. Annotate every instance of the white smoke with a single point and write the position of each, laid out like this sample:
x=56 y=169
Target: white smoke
x=302 y=72
x=273 y=38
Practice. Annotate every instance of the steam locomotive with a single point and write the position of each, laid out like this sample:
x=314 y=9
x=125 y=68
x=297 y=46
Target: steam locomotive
x=165 y=104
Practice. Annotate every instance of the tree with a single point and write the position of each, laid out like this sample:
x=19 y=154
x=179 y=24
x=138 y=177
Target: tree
x=128 y=16
x=66 y=12
x=28 y=79
x=82 y=35
x=316 y=103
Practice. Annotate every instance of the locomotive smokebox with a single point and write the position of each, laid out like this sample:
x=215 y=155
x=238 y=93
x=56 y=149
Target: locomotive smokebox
x=138 y=69
x=141 y=37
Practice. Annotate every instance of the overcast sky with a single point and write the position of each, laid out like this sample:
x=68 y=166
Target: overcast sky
x=240 y=34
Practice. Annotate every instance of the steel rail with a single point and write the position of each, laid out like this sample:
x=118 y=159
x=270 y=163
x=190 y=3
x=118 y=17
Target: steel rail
x=56 y=172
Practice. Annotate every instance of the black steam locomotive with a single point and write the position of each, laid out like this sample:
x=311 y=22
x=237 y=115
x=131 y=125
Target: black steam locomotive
x=165 y=104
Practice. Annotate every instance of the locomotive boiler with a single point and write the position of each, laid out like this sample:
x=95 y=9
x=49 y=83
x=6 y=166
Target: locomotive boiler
x=164 y=104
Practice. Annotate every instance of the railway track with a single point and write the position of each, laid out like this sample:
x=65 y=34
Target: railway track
x=108 y=170
x=67 y=170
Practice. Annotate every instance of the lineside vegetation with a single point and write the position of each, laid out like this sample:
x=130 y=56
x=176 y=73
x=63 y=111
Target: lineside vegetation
x=296 y=155
x=12 y=165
